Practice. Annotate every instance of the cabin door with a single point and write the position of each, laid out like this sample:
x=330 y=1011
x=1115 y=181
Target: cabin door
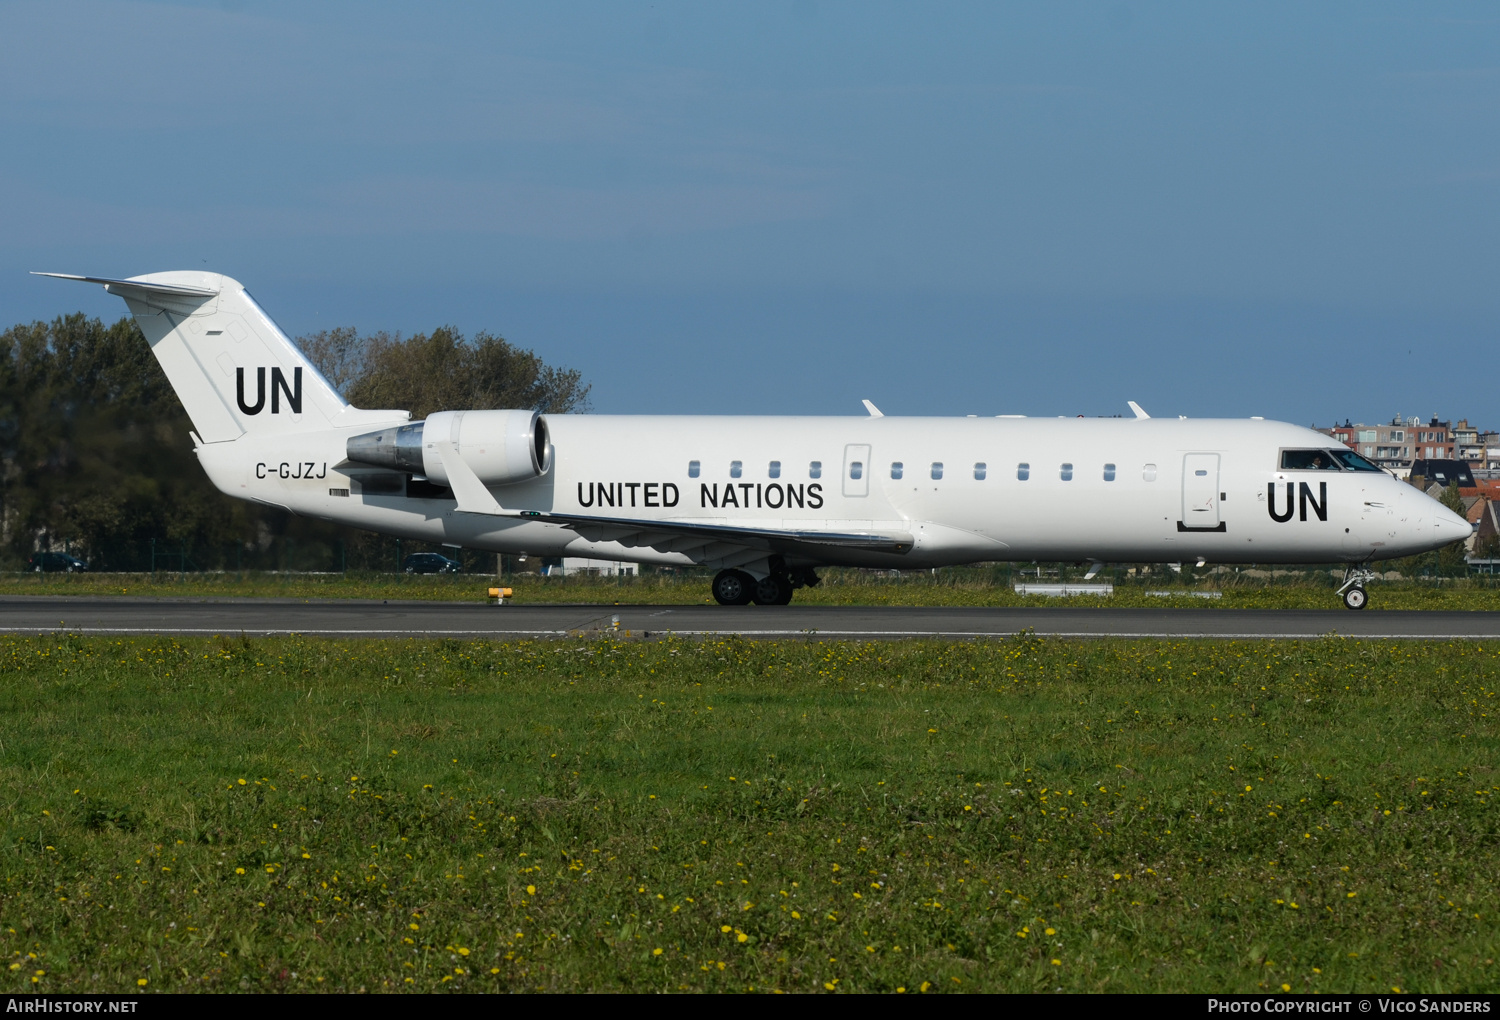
x=1200 y=492
x=856 y=470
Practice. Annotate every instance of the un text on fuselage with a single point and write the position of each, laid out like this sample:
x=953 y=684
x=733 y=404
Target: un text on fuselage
x=1301 y=494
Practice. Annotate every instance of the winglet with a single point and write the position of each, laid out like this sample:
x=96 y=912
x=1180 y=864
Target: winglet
x=1136 y=408
x=874 y=411
x=472 y=496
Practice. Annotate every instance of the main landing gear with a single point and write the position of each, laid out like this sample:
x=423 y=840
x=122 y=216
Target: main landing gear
x=1353 y=588
x=738 y=588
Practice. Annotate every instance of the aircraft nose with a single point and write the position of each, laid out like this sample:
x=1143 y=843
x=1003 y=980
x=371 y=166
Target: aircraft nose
x=1447 y=526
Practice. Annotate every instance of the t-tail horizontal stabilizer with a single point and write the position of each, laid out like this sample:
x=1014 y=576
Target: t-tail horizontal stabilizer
x=114 y=286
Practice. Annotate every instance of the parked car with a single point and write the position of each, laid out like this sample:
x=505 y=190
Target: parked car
x=56 y=561
x=430 y=563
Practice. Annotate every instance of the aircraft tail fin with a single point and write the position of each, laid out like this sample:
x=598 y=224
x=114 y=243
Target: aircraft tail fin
x=232 y=367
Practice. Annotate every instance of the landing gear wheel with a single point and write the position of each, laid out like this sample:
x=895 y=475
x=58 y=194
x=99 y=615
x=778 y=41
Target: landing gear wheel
x=1355 y=598
x=773 y=590
x=733 y=588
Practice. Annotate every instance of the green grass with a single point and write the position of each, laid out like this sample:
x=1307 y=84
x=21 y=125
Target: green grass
x=961 y=586
x=729 y=815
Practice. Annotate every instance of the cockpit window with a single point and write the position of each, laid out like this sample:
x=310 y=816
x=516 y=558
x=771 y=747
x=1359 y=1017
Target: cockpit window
x=1308 y=460
x=1353 y=461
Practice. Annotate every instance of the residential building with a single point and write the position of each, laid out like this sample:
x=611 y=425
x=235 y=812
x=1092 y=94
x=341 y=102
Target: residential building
x=1466 y=439
x=1490 y=442
x=1396 y=445
x=1439 y=474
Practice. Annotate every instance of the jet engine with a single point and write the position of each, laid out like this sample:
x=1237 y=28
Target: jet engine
x=502 y=447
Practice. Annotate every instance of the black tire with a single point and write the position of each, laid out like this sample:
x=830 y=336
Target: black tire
x=1355 y=598
x=733 y=588
x=772 y=590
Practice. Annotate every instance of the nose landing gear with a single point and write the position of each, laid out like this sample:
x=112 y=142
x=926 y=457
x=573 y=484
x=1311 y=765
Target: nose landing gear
x=1353 y=588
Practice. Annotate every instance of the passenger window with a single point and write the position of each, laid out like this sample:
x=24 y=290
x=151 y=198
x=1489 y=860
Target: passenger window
x=815 y=469
x=896 y=469
x=979 y=471
x=1109 y=472
x=692 y=469
x=1308 y=460
x=1149 y=472
x=1023 y=472
x=1067 y=472
x=775 y=469
x=736 y=468
x=856 y=469
x=937 y=470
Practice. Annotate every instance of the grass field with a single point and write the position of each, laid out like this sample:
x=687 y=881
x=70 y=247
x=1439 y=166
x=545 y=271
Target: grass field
x=728 y=815
x=982 y=586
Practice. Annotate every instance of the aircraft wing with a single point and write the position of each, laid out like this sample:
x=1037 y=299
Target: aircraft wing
x=682 y=536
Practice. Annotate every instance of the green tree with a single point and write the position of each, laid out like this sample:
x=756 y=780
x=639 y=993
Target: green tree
x=1450 y=558
x=442 y=371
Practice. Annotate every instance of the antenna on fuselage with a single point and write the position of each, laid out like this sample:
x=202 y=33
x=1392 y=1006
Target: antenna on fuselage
x=874 y=411
x=1136 y=409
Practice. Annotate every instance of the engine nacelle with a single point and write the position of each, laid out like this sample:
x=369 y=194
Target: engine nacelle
x=502 y=447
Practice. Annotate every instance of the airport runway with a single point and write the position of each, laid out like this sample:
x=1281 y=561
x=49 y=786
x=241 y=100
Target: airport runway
x=374 y=619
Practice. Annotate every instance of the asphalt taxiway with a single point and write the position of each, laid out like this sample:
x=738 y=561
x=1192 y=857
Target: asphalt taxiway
x=402 y=619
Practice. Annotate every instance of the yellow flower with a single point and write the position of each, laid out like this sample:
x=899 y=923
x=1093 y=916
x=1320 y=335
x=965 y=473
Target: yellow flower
x=242 y=782
x=531 y=890
x=1286 y=987
x=143 y=982
x=239 y=871
x=742 y=937
x=656 y=951
x=925 y=985
x=726 y=929
x=1051 y=931
x=462 y=951
x=1057 y=963
x=414 y=926
x=796 y=915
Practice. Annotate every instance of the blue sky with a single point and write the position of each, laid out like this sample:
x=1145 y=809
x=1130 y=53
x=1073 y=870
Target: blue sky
x=783 y=207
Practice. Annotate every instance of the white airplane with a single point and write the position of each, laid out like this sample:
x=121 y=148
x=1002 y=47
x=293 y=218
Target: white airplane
x=766 y=500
